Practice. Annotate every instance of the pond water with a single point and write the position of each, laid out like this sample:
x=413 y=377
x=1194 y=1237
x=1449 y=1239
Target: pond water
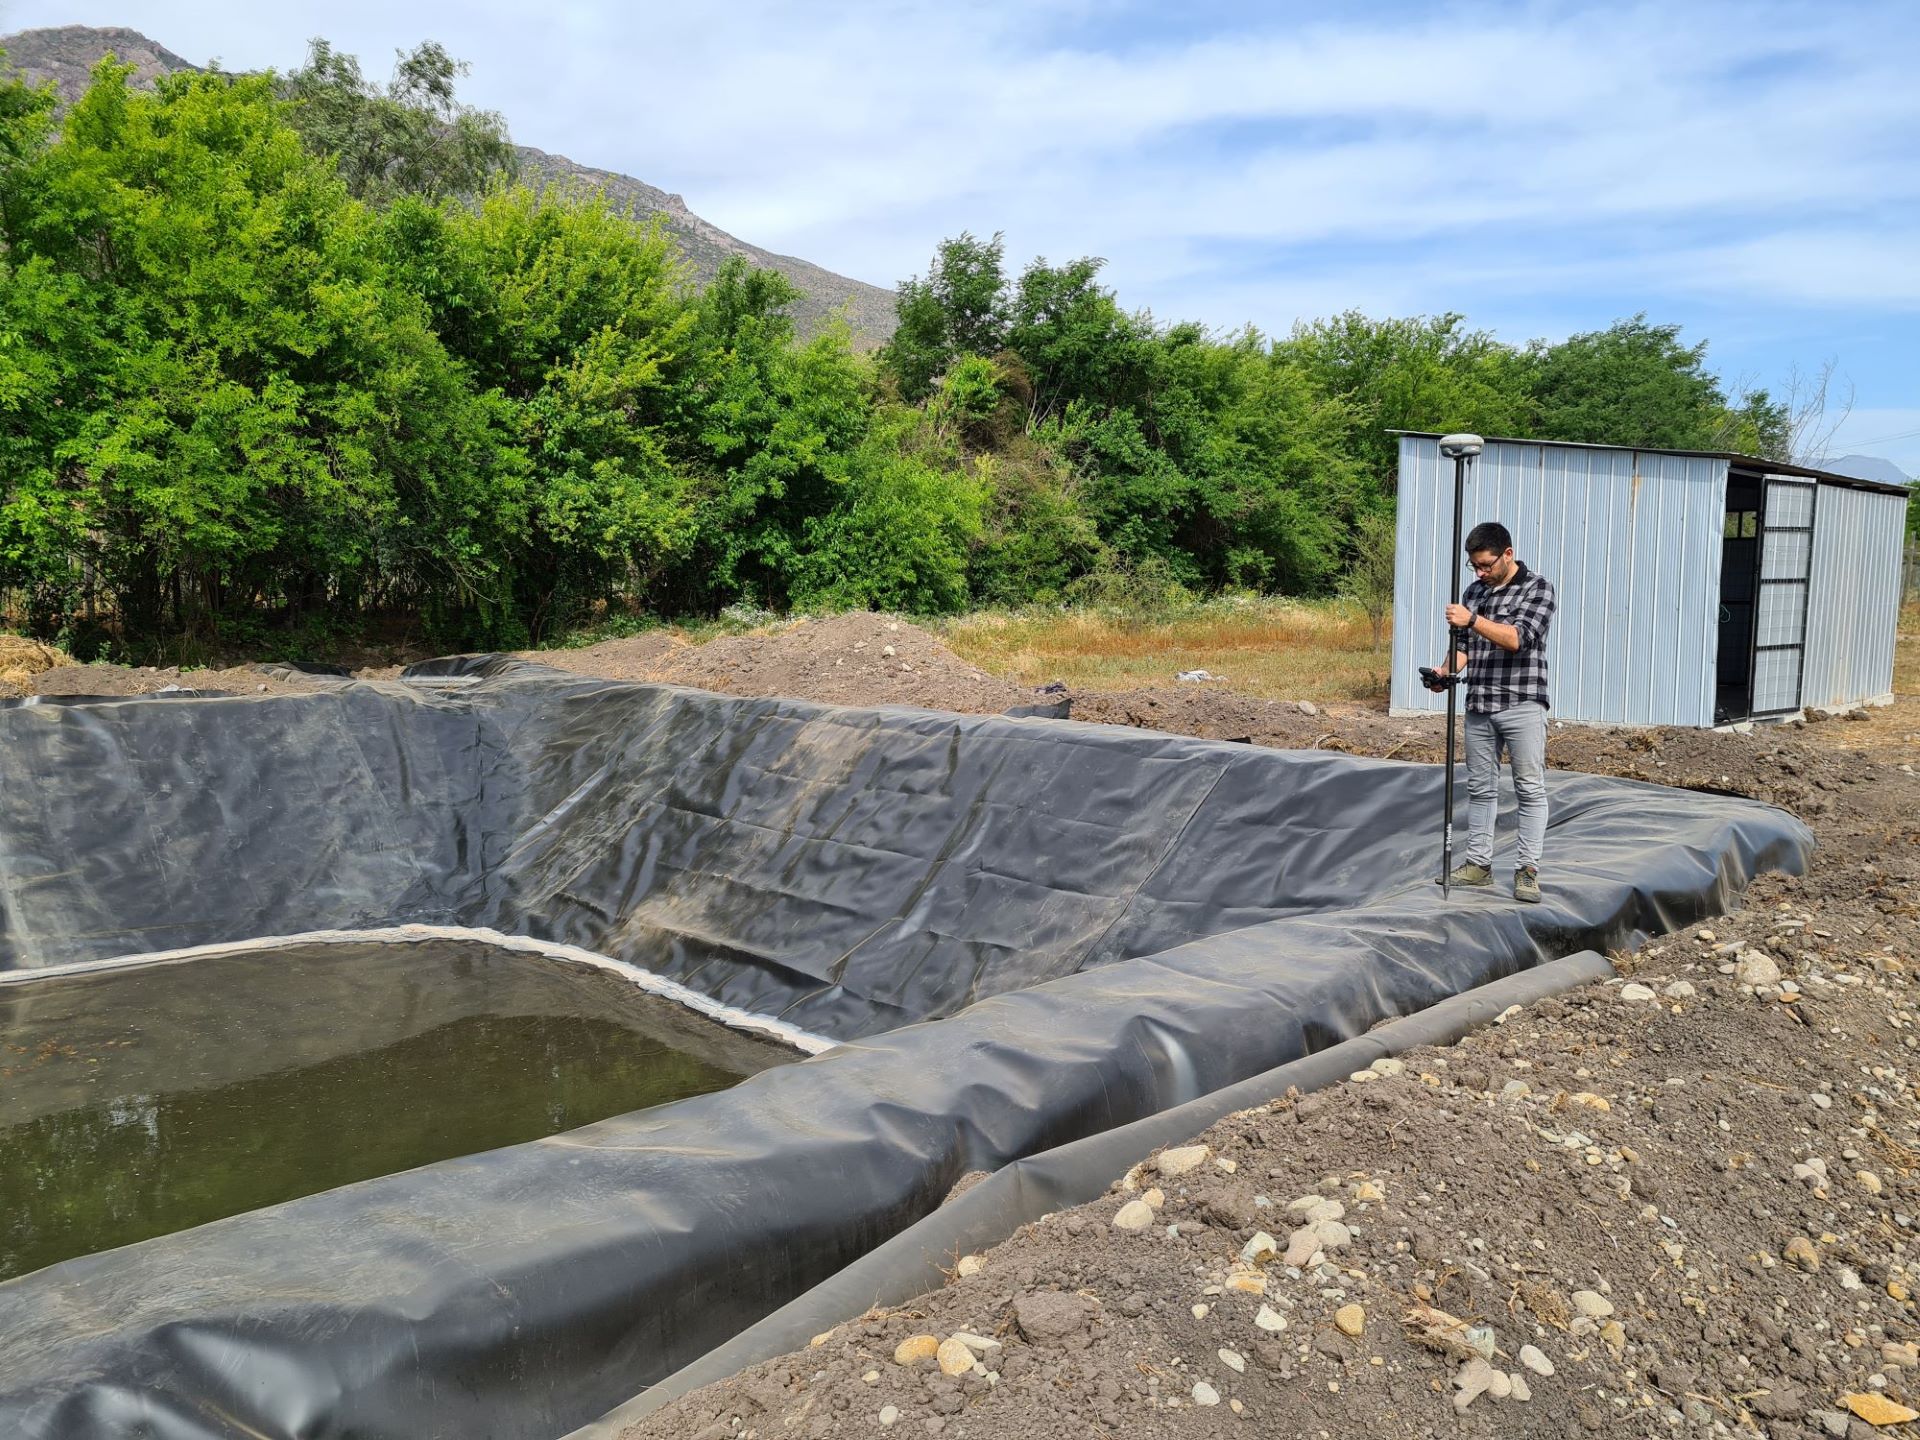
x=142 y=1101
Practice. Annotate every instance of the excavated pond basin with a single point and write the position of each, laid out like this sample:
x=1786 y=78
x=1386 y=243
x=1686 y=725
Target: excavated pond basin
x=992 y=935
x=132 y=1107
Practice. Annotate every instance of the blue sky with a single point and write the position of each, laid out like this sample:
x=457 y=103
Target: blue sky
x=1747 y=171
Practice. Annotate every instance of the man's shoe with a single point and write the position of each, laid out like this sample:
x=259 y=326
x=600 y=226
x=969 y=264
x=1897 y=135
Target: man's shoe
x=1471 y=874
x=1526 y=885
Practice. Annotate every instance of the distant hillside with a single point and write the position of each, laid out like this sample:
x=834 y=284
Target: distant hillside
x=1867 y=467
x=67 y=55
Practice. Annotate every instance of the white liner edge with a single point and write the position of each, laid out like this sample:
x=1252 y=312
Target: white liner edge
x=728 y=1015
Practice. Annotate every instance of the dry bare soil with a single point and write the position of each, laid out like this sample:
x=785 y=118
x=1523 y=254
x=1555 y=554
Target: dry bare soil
x=1682 y=1203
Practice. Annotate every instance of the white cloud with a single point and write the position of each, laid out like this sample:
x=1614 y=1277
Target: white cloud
x=1497 y=155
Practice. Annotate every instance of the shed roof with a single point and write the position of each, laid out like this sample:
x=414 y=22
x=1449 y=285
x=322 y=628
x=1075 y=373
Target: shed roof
x=1745 y=462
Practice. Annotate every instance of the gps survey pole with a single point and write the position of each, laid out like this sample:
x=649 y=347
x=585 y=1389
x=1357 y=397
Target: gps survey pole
x=1460 y=449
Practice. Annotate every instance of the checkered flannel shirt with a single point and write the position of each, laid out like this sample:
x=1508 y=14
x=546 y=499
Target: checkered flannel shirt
x=1498 y=678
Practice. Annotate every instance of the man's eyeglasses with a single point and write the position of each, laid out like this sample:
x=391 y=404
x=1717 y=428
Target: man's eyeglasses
x=1482 y=567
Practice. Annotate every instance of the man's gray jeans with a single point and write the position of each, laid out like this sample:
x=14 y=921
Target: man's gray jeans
x=1523 y=730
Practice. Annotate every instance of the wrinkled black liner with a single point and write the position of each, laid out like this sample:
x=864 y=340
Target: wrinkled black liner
x=1116 y=921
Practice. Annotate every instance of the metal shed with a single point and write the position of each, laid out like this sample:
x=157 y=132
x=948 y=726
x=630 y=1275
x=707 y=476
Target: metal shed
x=1696 y=588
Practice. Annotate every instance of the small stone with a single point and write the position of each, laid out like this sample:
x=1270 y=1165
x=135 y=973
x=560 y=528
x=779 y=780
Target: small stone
x=970 y=1265
x=1615 y=1335
x=915 y=1348
x=1813 y=1170
x=1518 y=1387
x=1592 y=1304
x=1679 y=990
x=1350 y=1320
x=1756 y=969
x=889 y=1414
x=1307 y=707
x=1515 y=1090
x=820 y=1339
x=1629 y=992
x=1869 y=1182
x=1233 y=1360
x=1205 y=1394
x=1500 y=1385
x=1471 y=1380
x=1388 y=1066
x=1535 y=1360
x=1587 y=1100
x=1706 y=937
x=954 y=1357
x=1366 y=1191
x=1897 y=1291
x=1821 y=1102
x=1134 y=1215
x=872 y=1377
x=1199 y=1312
x=1878 y=1409
x=1156 y=1197
x=1045 y=1315
x=1180 y=1160
x=1800 y=1251
x=1247 y=1282
x=1302 y=1247
x=1313 y=1209
x=1270 y=1320
x=1901 y=1352
x=1482 y=1339
x=1834 y=1422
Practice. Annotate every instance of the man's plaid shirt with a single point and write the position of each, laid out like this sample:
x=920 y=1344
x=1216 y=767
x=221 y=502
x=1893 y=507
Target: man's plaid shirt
x=1498 y=678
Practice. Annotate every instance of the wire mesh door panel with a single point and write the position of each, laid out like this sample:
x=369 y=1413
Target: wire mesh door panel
x=1786 y=570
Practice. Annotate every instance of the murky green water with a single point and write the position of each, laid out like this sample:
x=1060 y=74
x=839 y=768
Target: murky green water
x=143 y=1102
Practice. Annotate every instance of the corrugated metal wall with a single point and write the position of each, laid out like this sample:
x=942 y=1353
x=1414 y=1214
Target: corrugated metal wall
x=1856 y=596
x=1630 y=539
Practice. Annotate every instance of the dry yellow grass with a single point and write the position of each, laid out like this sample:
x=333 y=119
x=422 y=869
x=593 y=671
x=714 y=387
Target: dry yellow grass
x=1275 y=649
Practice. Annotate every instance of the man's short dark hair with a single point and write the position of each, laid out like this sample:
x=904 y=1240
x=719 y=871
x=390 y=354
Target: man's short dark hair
x=1489 y=537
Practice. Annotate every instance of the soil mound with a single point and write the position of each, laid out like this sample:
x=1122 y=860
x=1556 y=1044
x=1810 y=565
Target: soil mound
x=857 y=658
x=637 y=657
x=103 y=679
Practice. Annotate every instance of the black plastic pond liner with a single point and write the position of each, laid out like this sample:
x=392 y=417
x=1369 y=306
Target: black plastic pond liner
x=917 y=1260
x=1034 y=930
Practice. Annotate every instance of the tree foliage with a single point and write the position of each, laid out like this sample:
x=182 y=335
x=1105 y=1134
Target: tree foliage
x=278 y=358
x=411 y=137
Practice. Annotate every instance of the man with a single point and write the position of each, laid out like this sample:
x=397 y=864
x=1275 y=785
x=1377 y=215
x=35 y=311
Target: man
x=1505 y=613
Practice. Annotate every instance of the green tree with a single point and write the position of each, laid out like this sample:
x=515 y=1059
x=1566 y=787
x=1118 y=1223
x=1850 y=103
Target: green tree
x=957 y=308
x=900 y=536
x=410 y=137
x=766 y=428
x=1633 y=383
x=1421 y=373
x=1075 y=341
x=242 y=413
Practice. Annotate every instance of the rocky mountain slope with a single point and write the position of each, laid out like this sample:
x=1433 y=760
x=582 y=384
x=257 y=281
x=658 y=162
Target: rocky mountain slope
x=66 y=55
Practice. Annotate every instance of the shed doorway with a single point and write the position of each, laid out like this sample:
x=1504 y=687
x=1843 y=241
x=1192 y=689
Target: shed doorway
x=1739 y=586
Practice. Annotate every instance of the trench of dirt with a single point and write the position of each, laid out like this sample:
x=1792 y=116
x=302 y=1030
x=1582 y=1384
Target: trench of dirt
x=1020 y=931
